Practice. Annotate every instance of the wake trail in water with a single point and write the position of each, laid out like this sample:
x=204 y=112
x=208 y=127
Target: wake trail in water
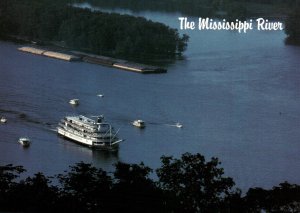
x=23 y=117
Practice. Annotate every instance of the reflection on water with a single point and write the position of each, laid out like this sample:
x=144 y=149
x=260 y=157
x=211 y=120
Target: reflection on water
x=108 y=158
x=104 y=159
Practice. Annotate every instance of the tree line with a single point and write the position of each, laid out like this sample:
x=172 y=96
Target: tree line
x=47 y=21
x=187 y=7
x=234 y=9
x=188 y=184
x=197 y=7
x=292 y=27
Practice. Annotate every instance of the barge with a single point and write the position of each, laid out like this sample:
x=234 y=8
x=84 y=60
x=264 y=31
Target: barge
x=51 y=54
x=94 y=59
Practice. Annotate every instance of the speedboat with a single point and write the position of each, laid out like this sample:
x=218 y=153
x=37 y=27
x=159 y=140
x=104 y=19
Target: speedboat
x=178 y=125
x=3 y=120
x=74 y=101
x=139 y=123
x=24 y=141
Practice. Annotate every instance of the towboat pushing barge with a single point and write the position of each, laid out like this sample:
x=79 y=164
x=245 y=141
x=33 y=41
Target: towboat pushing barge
x=93 y=133
x=95 y=59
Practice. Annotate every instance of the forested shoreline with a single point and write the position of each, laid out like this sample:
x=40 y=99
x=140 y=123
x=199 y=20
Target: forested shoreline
x=188 y=184
x=287 y=11
x=232 y=8
x=47 y=21
x=292 y=27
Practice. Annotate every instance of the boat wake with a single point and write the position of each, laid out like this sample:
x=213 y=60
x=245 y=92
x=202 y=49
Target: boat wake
x=178 y=125
x=52 y=129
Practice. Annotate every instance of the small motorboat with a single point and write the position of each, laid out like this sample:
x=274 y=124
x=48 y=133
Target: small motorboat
x=24 y=141
x=3 y=120
x=100 y=95
x=139 y=123
x=74 y=102
x=178 y=125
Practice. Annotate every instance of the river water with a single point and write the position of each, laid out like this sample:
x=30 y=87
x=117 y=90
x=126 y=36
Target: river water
x=237 y=96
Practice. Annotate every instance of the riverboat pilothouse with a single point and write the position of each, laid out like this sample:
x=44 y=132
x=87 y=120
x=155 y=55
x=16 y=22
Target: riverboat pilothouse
x=93 y=133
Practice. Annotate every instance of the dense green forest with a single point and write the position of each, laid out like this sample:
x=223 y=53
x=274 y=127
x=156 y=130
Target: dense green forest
x=101 y=33
x=233 y=8
x=189 y=184
x=188 y=7
x=292 y=27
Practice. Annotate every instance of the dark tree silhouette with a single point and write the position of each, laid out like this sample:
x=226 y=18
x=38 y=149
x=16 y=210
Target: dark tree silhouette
x=34 y=195
x=283 y=198
x=199 y=186
x=292 y=27
x=189 y=184
x=86 y=188
x=8 y=174
x=134 y=191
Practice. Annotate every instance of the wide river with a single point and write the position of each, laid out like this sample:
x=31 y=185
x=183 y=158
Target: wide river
x=237 y=96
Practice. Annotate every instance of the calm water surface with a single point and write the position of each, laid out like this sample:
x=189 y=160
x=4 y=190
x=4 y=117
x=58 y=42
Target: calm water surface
x=237 y=95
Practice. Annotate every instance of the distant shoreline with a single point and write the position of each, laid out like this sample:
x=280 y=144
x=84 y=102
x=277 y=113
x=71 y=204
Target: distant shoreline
x=219 y=9
x=111 y=34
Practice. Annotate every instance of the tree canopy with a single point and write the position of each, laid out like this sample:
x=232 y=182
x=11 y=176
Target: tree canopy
x=197 y=185
x=292 y=27
x=49 y=21
x=189 y=184
x=233 y=8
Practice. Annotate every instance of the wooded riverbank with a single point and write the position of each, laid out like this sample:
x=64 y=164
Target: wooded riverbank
x=99 y=33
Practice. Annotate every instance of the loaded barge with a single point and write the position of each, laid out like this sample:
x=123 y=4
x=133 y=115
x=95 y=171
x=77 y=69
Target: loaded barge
x=118 y=63
x=51 y=54
x=95 y=59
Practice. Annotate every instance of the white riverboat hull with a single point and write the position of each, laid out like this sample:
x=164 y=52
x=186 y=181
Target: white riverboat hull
x=88 y=142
